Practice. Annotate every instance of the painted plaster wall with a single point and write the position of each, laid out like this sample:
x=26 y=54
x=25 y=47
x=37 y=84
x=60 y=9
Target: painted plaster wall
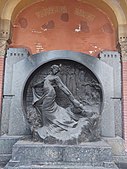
x=63 y=25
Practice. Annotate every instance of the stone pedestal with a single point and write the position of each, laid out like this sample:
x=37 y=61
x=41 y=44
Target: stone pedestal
x=6 y=143
x=118 y=149
x=36 y=155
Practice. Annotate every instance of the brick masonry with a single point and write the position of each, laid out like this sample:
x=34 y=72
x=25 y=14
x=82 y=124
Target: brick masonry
x=124 y=78
x=1 y=79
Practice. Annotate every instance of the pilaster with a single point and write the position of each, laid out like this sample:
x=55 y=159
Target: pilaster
x=3 y=45
x=123 y=48
x=4 y=37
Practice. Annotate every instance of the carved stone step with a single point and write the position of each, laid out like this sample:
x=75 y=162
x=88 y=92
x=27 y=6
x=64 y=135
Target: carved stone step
x=37 y=155
x=58 y=167
x=4 y=158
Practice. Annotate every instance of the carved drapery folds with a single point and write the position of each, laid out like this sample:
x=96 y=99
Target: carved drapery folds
x=73 y=114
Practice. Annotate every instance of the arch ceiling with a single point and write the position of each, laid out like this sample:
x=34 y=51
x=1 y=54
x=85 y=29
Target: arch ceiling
x=115 y=7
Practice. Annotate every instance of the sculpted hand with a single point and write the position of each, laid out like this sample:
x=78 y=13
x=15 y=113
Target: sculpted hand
x=77 y=104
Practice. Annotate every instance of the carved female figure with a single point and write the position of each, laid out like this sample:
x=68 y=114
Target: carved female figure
x=58 y=122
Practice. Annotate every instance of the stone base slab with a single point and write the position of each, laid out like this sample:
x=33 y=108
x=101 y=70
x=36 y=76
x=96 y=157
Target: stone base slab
x=4 y=158
x=58 y=167
x=117 y=144
x=92 y=155
x=6 y=144
x=118 y=149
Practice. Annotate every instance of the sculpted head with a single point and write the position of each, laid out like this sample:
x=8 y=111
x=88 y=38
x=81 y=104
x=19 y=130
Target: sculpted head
x=55 y=69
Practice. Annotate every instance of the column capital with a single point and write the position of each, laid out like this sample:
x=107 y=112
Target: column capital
x=3 y=46
x=123 y=48
x=5 y=27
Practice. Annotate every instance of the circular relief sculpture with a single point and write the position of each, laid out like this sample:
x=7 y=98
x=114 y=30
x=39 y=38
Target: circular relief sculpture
x=63 y=101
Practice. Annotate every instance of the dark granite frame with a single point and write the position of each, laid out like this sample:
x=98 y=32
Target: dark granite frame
x=16 y=123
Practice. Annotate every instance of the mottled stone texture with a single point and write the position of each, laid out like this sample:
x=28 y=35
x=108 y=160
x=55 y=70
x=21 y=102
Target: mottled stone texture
x=9 y=112
x=6 y=143
x=118 y=149
x=20 y=67
x=18 y=61
x=89 y=155
x=114 y=60
x=73 y=106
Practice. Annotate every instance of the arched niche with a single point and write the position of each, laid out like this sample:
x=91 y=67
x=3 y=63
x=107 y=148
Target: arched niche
x=10 y=9
x=54 y=25
x=112 y=8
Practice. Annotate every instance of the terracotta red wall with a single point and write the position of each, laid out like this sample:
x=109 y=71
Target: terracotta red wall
x=1 y=78
x=63 y=25
x=125 y=99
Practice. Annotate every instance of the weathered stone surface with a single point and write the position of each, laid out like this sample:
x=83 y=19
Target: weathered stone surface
x=6 y=143
x=118 y=146
x=33 y=155
x=118 y=149
x=18 y=125
x=123 y=48
x=4 y=158
x=114 y=60
x=59 y=167
x=27 y=153
x=69 y=100
x=14 y=56
x=3 y=44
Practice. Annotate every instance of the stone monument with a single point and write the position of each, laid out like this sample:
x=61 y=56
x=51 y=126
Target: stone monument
x=55 y=114
x=63 y=104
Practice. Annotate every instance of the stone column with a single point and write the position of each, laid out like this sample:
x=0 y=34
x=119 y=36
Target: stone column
x=4 y=37
x=123 y=47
